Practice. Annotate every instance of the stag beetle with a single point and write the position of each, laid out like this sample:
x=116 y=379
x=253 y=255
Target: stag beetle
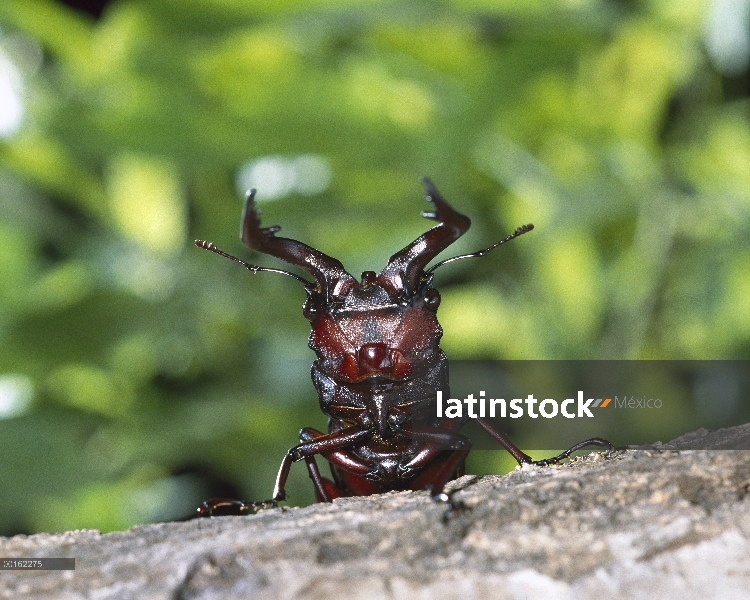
x=378 y=367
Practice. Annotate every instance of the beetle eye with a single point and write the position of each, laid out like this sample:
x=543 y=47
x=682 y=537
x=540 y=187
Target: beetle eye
x=432 y=299
x=310 y=310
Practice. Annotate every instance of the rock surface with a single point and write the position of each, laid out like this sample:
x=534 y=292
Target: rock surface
x=644 y=524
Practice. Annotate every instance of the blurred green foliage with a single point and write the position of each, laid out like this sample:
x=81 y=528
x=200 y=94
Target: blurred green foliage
x=139 y=375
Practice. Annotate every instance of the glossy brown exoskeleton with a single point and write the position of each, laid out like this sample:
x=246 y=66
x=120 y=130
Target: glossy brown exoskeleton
x=378 y=369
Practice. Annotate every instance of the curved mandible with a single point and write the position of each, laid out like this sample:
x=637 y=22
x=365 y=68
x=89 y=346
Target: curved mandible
x=330 y=276
x=406 y=268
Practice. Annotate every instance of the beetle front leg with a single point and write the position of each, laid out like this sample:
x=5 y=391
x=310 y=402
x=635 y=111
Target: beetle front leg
x=437 y=473
x=317 y=445
x=325 y=489
x=433 y=447
x=216 y=507
x=306 y=450
x=439 y=439
x=224 y=506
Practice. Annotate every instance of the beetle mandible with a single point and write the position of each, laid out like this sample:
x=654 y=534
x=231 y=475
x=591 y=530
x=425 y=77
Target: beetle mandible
x=378 y=368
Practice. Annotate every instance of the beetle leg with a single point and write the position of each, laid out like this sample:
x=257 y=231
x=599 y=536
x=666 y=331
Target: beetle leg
x=563 y=455
x=218 y=507
x=318 y=445
x=502 y=439
x=430 y=450
x=525 y=459
x=340 y=458
x=325 y=489
x=438 y=441
x=435 y=480
x=459 y=443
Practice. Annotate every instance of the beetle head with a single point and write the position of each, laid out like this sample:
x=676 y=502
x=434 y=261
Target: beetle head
x=374 y=332
x=383 y=326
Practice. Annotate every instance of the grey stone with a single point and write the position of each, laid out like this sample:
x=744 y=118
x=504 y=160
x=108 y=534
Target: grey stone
x=648 y=523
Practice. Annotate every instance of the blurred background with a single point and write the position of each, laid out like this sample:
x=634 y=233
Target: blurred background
x=140 y=375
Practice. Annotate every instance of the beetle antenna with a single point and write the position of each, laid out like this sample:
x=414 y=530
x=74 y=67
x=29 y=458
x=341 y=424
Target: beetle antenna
x=254 y=268
x=520 y=231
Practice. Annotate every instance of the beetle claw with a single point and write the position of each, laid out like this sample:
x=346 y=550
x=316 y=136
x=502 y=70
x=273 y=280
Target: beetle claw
x=453 y=507
x=221 y=507
x=404 y=472
x=441 y=497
